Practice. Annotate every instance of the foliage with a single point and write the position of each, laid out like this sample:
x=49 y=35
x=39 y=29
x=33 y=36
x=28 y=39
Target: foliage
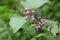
x=14 y=27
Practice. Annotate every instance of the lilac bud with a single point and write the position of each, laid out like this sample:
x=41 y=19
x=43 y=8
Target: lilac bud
x=32 y=17
x=28 y=12
x=25 y=10
x=28 y=9
x=33 y=12
x=32 y=25
x=42 y=21
x=38 y=26
x=26 y=18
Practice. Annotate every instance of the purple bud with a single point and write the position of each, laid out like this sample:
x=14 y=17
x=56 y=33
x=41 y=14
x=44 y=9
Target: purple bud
x=42 y=21
x=32 y=25
x=28 y=12
x=33 y=12
x=26 y=18
x=38 y=26
x=32 y=17
x=28 y=9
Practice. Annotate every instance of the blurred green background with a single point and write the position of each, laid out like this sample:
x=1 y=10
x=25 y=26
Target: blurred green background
x=48 y=9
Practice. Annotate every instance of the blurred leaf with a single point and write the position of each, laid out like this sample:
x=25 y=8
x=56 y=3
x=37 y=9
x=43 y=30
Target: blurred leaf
x=58 y=6
x=58 y=37
x=5 y=35
x=16 y=23
x=49 y=37
x=54 y=30
x=33 y=3
x=33 y=38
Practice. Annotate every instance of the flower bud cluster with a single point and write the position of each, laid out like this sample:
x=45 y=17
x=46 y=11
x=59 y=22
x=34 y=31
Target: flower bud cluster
x=30 y=15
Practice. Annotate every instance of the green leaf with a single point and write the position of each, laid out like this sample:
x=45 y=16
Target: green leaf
x=54 y=30
x=33 y=3
x=16 y=23
x=49 y=37
x=58 y=37
x=33 y=38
